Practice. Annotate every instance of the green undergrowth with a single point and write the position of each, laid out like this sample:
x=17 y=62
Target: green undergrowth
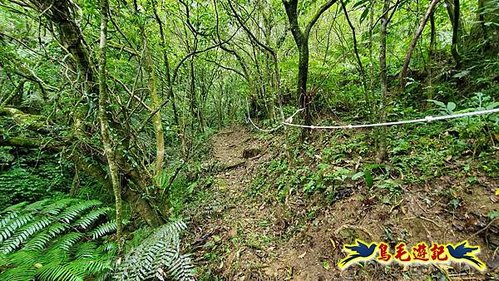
x=336 y=163
x=31 y=176
x=57 y=239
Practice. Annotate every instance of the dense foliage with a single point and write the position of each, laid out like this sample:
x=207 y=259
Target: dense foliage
x=56 y=239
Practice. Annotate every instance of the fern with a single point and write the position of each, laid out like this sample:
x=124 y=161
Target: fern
x=158 y=257
x=57 y=271
x=103 y=229
x=23 y=234
x=182 y=268
x=7 y=218
x=87 y=220
x=67 y=241
x=15 y=207
x=74 y=211
x=13 y=225
x=54 y=240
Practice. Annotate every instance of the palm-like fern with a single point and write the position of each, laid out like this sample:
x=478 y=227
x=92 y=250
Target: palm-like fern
x=158 y=257
x=56 y=240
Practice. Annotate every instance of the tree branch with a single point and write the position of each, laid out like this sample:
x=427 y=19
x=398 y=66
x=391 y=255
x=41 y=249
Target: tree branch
x=317 y=15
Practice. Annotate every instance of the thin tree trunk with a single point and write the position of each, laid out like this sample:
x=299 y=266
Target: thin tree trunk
x=433 y=34
x=301 y=40
x=195 y=110
x=169 y=86
x=104 y=123
x=431 y=53
x=357 y=56
x=16 y=96
x=155 y=104
x=381 y=137
x=455 y=33
x=412 y=46
x=302 y=81
x=371 y=56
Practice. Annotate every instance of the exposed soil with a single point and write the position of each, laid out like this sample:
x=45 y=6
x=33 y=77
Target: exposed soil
x=243 y=236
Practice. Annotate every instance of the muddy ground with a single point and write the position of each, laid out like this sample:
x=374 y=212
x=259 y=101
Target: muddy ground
x=242 y=236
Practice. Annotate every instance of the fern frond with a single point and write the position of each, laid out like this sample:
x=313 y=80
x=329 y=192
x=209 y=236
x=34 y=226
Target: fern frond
x=41 y=240
x=23 y=234
x=103 y=229
x=58 y=272
x=13 y=225
x=14 y=208
x=86 y=250
x=56 y=207
x=158 y=256
x=182 y=269
x=52 y=231
x=56 y=254
x=7 y=218
x=57 y=228
x=91 y=267
x=36 y=206
x=18 y=274
x=38 y=242
x=24 y=259
x=75 y=210
x=87 y=220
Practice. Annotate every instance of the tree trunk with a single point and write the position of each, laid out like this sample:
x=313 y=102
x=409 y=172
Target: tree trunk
x=156 y=107
x=195 y=110
x=16 y=97
x=381 y=136
x=169 y=86
x=357 y=57
x=104 y=123
x=431 y=54
x=304 y=98
x=455 y=33
x=63 y=14
x=301 y=40
x=414 y=41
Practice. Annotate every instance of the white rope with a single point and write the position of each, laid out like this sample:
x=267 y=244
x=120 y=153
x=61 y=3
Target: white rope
x=265 y=130
x=289 y=119
x=427 y=119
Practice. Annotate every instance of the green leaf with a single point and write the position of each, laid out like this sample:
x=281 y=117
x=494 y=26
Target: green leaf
x=364 y=14
x=493 y=215
x=360 y=3
x=41 y=234
x=369 y=178
x=451 y=106
x=357 y=176
x=438 y=103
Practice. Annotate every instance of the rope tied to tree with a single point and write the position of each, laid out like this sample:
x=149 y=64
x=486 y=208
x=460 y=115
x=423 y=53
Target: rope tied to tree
x=289 y=121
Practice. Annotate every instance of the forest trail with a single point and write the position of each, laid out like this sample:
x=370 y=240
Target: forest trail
x=245 y=235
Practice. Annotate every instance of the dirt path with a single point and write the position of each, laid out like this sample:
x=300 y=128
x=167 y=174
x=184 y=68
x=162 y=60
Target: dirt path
x=243 y=236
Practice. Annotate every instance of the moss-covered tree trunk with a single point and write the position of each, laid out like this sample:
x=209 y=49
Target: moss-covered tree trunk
x=104 y=122
x=156 y=108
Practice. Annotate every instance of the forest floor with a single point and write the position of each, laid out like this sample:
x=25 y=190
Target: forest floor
x=242 y=236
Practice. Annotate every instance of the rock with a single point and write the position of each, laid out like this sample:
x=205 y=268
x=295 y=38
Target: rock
x=251 y=152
